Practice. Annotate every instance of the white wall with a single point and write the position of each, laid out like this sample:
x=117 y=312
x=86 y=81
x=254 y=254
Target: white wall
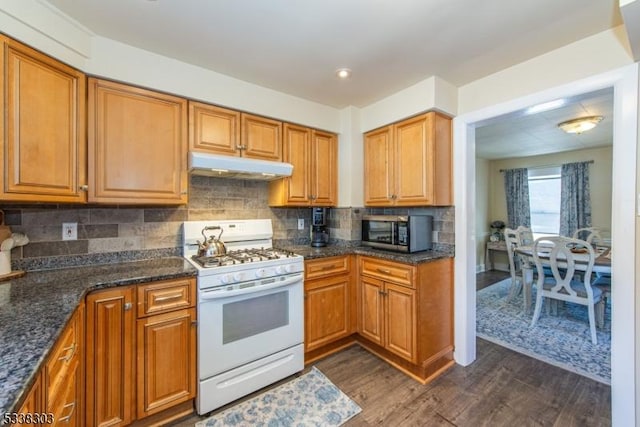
x=587 y=57
x=433 y=93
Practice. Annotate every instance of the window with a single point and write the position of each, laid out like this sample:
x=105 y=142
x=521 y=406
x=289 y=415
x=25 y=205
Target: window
x=544 y=200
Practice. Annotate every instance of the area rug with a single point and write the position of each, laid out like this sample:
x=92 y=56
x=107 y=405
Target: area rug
x=563 y=340
x=309 y=400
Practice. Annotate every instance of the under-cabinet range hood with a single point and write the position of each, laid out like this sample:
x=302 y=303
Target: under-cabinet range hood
x=237 y=167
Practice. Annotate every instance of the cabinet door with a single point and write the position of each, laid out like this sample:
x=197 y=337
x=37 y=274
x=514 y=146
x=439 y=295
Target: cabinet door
x=400 y=321
x=297 y=151
x=214 y=129
x=110 y=399
x=166 y=360
x=326 y=311
x=378 y=168
x=44 y=149
x=33 y=403
x=372 y=310
x=66 y=407
x=261 y=138
x=413 y=149
x=324 y=169
x=137 y=145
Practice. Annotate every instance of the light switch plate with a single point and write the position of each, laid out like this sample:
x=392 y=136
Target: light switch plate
x=300 y=223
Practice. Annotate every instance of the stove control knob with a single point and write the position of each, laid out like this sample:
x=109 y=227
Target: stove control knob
x=226 y=279
x=238 y=277
x=284 y=269
x=260 y=272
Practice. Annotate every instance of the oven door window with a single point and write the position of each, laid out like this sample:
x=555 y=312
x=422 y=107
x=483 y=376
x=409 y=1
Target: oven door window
x=253 y=316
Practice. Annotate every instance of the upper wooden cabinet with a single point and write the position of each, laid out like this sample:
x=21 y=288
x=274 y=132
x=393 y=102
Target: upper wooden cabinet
x=43 y=154
x=314 y=156
x=261 y=138
x=219 y=130
x=137 y=145
x=409 y=163
x=214 y=129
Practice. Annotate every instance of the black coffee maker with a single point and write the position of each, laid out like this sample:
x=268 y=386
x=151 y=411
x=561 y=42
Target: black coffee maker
x=319 y=228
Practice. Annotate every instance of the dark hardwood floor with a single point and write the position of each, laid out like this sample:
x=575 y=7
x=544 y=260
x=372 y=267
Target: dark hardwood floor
x=501 y=388
x=490 y=277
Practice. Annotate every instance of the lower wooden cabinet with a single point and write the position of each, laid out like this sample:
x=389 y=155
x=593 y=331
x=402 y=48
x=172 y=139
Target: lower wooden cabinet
x=329 y=304
x=57 y=395
x=406 y=314
x=166 y=354
x=110 y=357
x=388 y=316
x=144 y=365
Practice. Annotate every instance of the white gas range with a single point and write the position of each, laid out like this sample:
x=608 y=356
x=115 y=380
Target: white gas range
x=250 y=311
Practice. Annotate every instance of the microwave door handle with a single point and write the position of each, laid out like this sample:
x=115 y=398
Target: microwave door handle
x=220 y=294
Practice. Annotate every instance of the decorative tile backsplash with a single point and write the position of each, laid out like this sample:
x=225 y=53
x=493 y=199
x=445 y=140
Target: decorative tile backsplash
x=124 y=229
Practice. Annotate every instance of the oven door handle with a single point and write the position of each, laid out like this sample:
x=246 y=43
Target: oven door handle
x=220 y=294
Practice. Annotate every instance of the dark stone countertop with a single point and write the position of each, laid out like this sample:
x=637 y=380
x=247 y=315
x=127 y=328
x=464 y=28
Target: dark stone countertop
x=35 y=309
x=328 y=251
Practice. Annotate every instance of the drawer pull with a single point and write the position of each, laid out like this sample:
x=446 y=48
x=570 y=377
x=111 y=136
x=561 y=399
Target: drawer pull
x=167 y=298
x=67 y=418
x=71 y=351
x=383 y=293
x=383 y=271
x=328 y=267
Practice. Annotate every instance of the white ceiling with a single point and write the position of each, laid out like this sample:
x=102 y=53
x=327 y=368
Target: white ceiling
x=295 y=46
x=521 y=135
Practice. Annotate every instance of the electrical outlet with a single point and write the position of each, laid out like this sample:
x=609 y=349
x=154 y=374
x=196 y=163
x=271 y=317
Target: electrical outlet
x=300 y=223
x=69 y=231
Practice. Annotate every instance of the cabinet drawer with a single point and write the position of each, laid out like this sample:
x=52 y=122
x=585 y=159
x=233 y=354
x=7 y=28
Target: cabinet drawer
x=326 y=266
x=164 y=296
x=62 y=360
x=402 y=274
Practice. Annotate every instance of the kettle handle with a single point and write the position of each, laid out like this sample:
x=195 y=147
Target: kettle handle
x=211 y=227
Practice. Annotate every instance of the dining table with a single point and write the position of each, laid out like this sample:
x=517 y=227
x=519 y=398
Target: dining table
x=601 y=266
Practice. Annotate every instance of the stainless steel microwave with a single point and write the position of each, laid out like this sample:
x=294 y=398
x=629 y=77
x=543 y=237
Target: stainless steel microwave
x=410 y=233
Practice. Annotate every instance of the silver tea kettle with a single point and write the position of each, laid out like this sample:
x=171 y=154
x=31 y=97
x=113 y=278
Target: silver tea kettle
x=211 y=246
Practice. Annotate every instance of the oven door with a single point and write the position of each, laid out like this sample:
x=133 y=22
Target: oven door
x=242 y=325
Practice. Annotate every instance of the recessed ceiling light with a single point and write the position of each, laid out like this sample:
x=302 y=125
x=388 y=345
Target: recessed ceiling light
x=343 y=73
x=545 y=106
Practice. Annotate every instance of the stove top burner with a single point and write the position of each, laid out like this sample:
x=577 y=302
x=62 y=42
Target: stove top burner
x=242 y=256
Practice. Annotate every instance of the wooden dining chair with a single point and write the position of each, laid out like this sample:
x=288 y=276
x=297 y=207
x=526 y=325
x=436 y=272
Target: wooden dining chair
x=525 y=236
x=565 y=285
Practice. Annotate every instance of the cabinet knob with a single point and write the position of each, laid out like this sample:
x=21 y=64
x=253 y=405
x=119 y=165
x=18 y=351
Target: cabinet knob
x=84 y=187
x=127 y=306
x=381 y=292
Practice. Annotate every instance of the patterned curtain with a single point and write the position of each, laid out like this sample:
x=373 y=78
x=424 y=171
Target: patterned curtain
x=516 y=187
x=575 y=198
